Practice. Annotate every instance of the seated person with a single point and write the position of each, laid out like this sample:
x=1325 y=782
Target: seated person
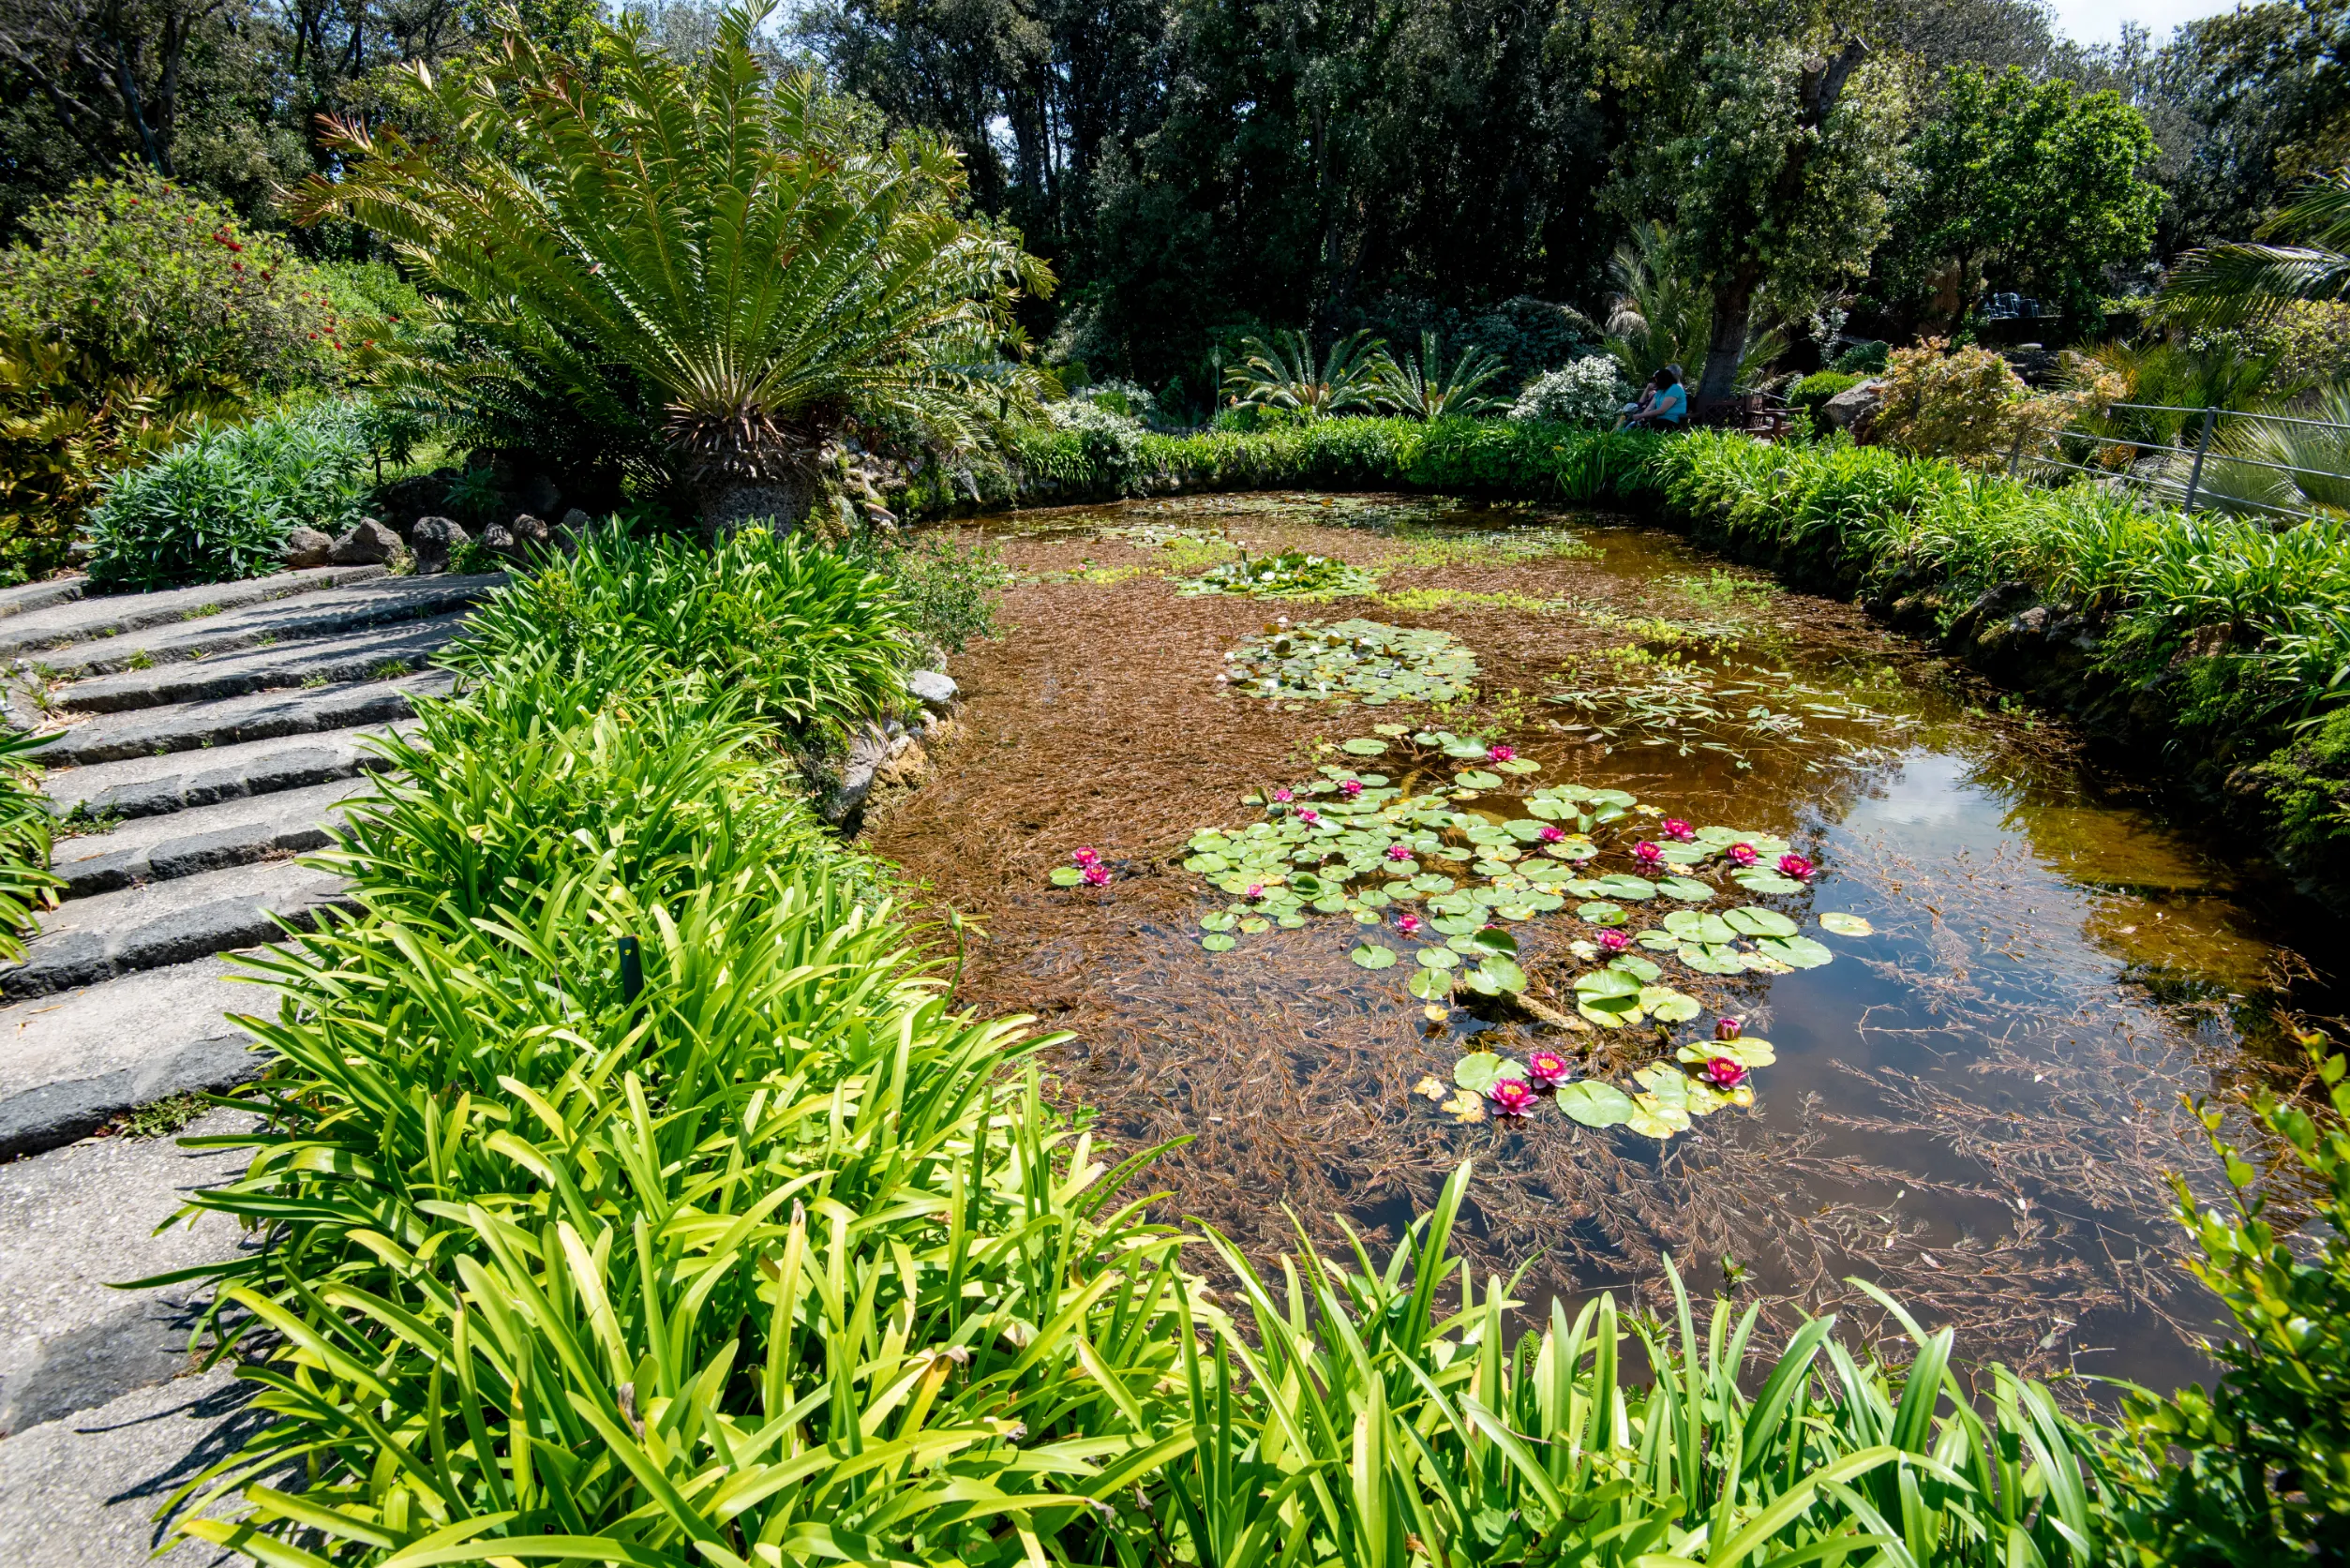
x=1632 y=413
x=1670 y=405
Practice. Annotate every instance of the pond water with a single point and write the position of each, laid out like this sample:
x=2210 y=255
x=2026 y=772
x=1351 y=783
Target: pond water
x=1973 y=1104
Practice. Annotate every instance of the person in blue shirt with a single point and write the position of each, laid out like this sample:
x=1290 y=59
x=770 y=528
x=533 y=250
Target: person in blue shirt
x=1671 y=404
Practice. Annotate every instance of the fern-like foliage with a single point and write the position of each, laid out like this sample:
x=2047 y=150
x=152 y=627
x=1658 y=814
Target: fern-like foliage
x=1286 y=374
x=704 y=257
x=1425 y=388
x=2223 y=285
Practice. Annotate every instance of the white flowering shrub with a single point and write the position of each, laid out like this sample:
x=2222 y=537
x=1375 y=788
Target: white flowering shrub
x=1112 y=442
x=1588 y=392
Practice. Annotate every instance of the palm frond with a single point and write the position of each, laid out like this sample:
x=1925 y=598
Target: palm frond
x=1286 y=374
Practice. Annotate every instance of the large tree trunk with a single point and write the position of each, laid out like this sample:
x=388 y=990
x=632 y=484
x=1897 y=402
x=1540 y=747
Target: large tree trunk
x=1733 y=314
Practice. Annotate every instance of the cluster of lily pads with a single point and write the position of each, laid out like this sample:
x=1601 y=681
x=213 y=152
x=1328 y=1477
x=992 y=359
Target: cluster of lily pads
x=1352 y=660
x=1449 y=863
x=1703 y=1077
x=1291 y=575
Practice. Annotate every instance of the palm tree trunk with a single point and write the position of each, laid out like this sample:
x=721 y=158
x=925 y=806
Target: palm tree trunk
x=728 y=505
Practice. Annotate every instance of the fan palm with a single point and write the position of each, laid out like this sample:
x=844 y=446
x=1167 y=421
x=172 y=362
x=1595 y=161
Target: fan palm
x=2223 y=285
x=1662 y=314
x=1286 y=374
x=1423 y=388
x=703 y=254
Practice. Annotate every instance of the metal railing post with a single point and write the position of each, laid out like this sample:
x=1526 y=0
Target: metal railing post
x=2202 y=445
x=2015 y=454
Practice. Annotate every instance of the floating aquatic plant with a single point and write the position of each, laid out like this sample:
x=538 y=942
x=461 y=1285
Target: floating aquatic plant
x=1353 y=661
x=1291 y=575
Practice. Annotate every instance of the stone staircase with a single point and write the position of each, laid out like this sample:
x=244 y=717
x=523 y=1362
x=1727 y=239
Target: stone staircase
x=206 y=737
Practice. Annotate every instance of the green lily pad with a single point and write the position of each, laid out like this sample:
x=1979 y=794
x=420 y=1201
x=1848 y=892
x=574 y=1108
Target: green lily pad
x=1477 y=778
x=1256 y=925
x=1600 y=914
x=1221 y=920
x=1633 y=964
x=1480 y=1071
x=1503 y=973
x=1520 y=766
x=1430 y=985
x=1217 y=942
x=1363 y=747
x=1713 y=959
x=1747 y=1053
x=1753 y=921
x=1639 y=889
x=1439 y=958
x=1667 y=1006
x=1657 y=941
x=1067 y=877
x=1687 y=889
x=1595 y=1104
x=1846 y=925
x=1692 y=926
x=1372 y=956
x=1801 y=953
x=1755 y=879
x=1607 y=985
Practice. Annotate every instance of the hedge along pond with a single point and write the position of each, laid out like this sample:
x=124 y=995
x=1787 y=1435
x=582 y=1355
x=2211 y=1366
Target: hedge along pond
x=1351 y=836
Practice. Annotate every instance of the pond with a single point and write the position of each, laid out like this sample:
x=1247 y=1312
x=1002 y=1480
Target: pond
x=1971 y=1089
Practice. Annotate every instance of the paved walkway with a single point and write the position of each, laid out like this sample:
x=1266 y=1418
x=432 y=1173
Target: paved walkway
x=211 y=736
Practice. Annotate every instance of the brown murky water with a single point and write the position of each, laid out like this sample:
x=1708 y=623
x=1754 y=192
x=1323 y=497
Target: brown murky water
x=1974 y=1107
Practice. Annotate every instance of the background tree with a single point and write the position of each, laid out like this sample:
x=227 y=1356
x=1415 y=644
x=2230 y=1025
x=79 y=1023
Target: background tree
x=2031 y=184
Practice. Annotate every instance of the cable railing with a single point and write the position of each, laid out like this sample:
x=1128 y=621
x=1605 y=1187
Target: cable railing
x=2284 y=467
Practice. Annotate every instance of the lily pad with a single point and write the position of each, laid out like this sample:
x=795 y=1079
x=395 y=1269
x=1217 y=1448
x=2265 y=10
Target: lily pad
x=1691 y=926
x=1755 y=879
x=1639 y=889
x=1600 y=914
x=1846 y=925
x=1366 y=746
x=1633 y=964
x=1687 y=889
x=1800 y=951
x=1477 y=778
x=1503 y=973
x=1480 y=1071
x=1067 y=877
x=1596 y=1104
x=1222 y=919
x=1217 y=942
x=1753 y=921
x=1439 y=958
x=1372 y=956
x=1713 y=959
x=1667 y=1006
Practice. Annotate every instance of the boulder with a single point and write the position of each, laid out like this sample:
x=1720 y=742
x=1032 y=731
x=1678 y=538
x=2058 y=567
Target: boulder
x=934 y=688
x=370 y=544
x=500 y=539
x=1852 y=408
x=868 y=750
x=571 y=530
x=435 y=540
x=308 y=547
x=404 y=500
x=532 y=536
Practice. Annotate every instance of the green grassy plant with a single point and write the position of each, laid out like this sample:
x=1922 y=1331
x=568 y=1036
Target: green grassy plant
x=813 y=640
x=26 y=885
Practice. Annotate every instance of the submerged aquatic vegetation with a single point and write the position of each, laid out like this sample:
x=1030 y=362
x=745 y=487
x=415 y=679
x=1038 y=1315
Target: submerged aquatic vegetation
x=1748 y=712
x=1353 y=661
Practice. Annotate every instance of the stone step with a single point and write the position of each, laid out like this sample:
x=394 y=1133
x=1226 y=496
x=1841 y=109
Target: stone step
x=378 y=653
x=80 y=1492
x=73 y=1062
x=76 y=1221
x=207 y=838
x=112 y=615
x=229 y=721
x=153 y=785
x=27 y=597
x=382 y=602
x=87 y=941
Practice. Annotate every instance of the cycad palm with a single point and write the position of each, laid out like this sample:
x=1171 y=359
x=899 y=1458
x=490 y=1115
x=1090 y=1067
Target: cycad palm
x=709 y=233
x=1286 y=374
x=2222 y=285
x=1424 y=389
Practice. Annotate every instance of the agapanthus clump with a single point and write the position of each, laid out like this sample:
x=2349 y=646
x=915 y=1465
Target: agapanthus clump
x=1511 y=1097
x=1547 y=1069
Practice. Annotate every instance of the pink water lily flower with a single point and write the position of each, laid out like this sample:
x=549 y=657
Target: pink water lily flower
x=1728 y=1028
x=1256 y=889
x=1678 y=830
x=1742 y=855
x=1284 y=797
x=1309 y=816
x=1796 y=867
x=1086 y=858
x=1724 y=1073
x=1646 y=853
x=1399 y=852
x=1500 y=754
x=1553 y=834
x=1408 y=924
x=1351 y=788
x=1614 y=941
x=1511 y=1097
x=1096 y=876
x=1549 y=1069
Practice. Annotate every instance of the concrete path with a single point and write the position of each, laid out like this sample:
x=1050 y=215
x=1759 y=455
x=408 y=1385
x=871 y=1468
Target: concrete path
x=206 y=738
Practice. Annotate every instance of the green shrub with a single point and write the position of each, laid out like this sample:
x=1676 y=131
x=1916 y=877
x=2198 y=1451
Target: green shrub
x=810 y=640
x=1588 y=392
x=1862 y=359
x=220 y=506
x=1815 y=390
x=2266 y=1451
x=951 y=589
x=26 y=884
